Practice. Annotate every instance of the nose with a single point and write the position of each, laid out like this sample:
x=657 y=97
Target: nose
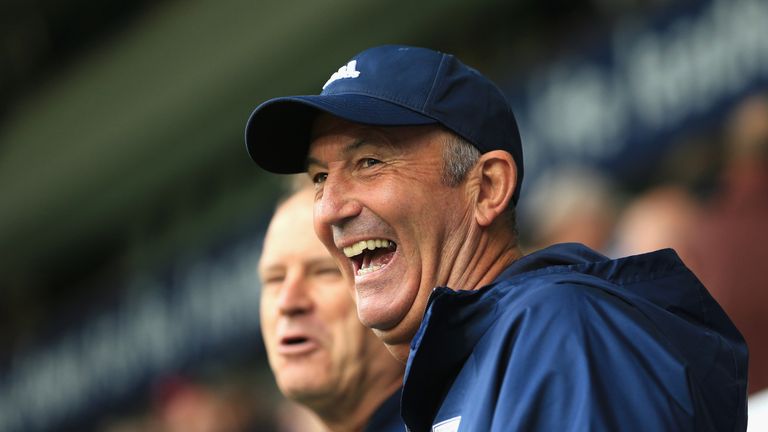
x=294 y=298
x=337 y=203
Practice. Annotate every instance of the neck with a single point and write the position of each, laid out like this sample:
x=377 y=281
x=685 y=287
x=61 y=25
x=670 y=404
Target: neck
x=482 y=256
x=351 y=414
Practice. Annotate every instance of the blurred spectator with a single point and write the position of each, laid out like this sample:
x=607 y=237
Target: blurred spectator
x=321 y=355
x=226 y=405
x=729 y=247
x=574 y=204
x=659 y=218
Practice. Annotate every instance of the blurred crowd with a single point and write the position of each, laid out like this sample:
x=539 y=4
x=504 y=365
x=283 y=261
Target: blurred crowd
x=710 y=206
x=239 y=400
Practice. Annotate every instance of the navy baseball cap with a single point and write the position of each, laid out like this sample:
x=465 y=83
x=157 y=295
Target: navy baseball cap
x=390 y=85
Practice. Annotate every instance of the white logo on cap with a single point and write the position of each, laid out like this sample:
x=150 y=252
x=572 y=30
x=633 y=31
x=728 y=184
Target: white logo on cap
x=346 y=71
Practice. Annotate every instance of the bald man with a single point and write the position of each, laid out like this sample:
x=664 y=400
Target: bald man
x=321 y=355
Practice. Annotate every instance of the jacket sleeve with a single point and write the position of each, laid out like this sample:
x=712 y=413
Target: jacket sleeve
x=584 y=360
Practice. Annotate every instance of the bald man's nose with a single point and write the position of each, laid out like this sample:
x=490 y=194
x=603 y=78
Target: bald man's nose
x=294 y=295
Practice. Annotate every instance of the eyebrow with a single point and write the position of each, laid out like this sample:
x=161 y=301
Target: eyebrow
x=322 y=262
x=346 y=151
x=311 y=263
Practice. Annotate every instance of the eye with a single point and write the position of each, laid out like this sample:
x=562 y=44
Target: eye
x=369 y=162
x=319 y=178
x=328 y=271
x=332 y=271
x=272 y=281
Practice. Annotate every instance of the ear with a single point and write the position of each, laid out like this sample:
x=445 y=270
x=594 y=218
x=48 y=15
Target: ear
x=498 y=177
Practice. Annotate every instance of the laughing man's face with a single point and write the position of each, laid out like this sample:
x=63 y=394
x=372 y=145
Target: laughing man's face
x=383 y=211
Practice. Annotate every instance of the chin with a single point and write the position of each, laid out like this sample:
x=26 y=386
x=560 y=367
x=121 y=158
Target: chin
x=398 y=337
x=382 y=307
x=304 y=388
x=377 y=316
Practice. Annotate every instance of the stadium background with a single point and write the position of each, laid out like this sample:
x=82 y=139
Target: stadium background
x=131 y=216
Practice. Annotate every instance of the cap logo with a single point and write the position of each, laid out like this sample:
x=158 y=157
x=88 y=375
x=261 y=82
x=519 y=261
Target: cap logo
x=346 y=71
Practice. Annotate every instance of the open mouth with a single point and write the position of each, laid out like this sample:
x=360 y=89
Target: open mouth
x=296 y=345
x=370 y=255
x=294 y=340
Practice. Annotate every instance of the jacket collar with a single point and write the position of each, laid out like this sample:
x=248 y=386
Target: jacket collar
x=453 y=323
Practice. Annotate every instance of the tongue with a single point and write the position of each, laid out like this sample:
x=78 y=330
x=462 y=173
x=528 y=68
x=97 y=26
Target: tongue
x=377 y=257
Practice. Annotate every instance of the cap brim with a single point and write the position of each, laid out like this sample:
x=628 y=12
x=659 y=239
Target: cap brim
x=278 y=131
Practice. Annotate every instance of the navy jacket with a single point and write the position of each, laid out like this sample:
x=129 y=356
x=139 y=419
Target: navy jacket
x=386 y=418
x=566 y=339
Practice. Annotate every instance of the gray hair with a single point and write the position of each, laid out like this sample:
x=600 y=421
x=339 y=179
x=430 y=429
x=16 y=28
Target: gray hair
x=459 y=157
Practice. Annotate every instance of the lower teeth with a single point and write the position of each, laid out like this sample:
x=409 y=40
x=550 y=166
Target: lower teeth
x=367 y=270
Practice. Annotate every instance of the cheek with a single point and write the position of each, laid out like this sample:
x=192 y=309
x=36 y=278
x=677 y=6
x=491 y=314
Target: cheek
x=351 y=349
x=341 y=314
x=322 y=230
x=339 y=306
x=403 y=199
x=267 y=317
x=324 y=234
x=443 y=211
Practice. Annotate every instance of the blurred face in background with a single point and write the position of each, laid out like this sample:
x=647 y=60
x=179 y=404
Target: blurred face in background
x=317 y=348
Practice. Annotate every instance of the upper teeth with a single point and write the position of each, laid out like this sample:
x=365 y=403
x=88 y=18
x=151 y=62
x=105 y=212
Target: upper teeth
x=359 y=247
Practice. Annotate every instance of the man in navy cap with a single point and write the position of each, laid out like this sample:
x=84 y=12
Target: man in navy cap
x=418 y=166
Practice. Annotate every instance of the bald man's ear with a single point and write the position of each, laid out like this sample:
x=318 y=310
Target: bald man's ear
x=498 y=177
